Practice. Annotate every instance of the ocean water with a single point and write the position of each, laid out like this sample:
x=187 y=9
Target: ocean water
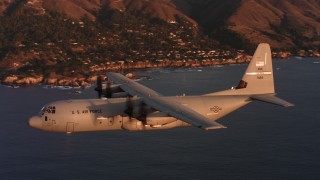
x=262 y=141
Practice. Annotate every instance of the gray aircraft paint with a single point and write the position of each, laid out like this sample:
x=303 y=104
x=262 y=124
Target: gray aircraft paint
x=202 y=111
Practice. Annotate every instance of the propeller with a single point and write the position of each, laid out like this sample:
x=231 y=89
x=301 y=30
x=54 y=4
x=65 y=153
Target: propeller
x=99 y=86
x=108 y=93
x=143 y=112
x=129 y=109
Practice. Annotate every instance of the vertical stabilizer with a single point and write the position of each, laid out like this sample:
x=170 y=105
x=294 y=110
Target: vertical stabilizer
x=257 y=82
x=258 y=78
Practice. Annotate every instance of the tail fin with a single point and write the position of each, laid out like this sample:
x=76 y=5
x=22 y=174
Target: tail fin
x=258 y=78
x=257 y=82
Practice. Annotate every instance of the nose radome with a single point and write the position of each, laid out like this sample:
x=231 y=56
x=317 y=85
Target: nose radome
x=35 y=122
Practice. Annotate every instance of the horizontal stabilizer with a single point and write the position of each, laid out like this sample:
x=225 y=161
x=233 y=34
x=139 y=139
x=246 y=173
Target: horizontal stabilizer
x=272 y=99
x=214 y=127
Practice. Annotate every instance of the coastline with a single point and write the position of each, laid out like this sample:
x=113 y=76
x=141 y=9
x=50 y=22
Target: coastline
x=15 y=80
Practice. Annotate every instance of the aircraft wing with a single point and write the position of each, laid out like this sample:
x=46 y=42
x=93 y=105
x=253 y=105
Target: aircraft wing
x=130 y=86
x=182 y=112
x=163 y=104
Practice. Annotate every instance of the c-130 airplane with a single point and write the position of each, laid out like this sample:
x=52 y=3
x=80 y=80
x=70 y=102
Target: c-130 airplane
x=132 y=106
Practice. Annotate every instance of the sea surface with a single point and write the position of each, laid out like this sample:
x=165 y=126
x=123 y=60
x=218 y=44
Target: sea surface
x=262 y=141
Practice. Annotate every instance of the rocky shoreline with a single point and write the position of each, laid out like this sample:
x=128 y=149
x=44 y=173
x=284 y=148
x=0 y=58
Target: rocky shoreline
x=16 y=80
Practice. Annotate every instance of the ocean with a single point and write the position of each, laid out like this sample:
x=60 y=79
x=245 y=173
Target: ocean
x=262 y=141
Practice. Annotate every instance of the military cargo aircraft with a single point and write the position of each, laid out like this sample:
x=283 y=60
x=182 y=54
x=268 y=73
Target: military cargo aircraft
x=132 y=106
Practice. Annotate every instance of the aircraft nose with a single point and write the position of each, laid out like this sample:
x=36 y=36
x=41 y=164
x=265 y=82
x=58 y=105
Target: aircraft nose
x=35 y=122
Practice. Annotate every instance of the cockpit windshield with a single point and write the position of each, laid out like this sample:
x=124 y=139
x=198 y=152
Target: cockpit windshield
x=49 y=109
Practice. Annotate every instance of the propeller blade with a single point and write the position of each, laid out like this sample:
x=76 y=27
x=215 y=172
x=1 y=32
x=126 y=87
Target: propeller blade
x=129 y=109
x=143 y=112
x=108 y=93
x=99 y=86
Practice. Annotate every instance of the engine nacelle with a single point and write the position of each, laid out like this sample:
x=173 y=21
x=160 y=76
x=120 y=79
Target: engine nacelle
x=133 y=125
x=159 y=118
x=119 y=95
x=113 y=88
x=139 y=110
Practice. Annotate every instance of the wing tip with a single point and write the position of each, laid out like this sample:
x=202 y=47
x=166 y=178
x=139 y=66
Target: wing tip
x=289 y=105
x=212 y=127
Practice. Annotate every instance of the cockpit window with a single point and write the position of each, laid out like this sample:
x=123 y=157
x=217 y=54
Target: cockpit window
x=49 y=109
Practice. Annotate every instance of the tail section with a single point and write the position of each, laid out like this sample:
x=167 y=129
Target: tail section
x=272 y=99
x=257 y=82
x=258 y=78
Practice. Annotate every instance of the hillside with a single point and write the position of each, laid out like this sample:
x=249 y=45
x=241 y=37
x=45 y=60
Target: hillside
x=46 y=39
x=283 y=24
x=44 y=44
x=77 y=9
x=239 y=23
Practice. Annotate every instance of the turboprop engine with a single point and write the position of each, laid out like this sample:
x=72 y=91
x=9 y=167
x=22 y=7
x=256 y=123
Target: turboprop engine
x=142 y=116
x=109 y=90
x=153 y=120
x=159 y=118
x=133 y=125
x=119 y=95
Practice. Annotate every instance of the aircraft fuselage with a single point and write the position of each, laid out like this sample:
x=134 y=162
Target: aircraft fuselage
x=108 y=114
